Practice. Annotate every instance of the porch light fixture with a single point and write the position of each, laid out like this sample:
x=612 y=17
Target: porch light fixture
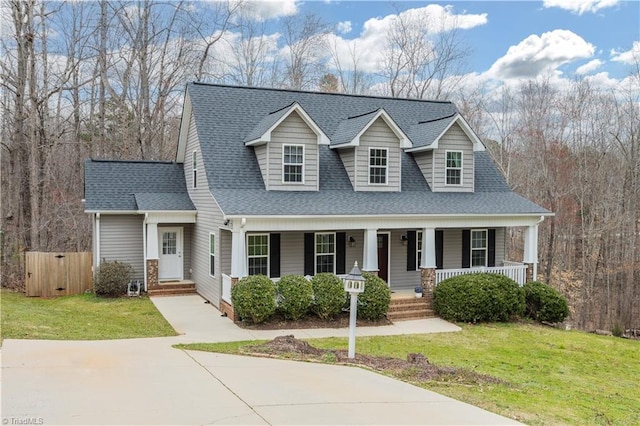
x=352 y=241
x=404 y=239
x=353 y=284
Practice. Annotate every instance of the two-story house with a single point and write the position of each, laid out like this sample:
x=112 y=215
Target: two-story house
x=277 y=182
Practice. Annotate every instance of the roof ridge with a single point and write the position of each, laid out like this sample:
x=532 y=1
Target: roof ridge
x=437 y=119
x=106 y=160
x=315 y=92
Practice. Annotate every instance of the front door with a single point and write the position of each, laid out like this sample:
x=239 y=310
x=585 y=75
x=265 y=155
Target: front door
x=383 y=257
x=170 y=263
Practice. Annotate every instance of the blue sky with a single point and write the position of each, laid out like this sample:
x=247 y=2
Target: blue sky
x=590 y=37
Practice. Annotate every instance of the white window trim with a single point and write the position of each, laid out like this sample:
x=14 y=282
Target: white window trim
x=386 y=167
x=418 y=249
x=212 y=234
x=486 y=247
x=194 y=168
x=315 y=251
x=268 y=251
x=293 y=164
x=446 y=153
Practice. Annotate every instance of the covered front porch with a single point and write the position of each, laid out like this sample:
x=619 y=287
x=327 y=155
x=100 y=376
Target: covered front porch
x=405 y=256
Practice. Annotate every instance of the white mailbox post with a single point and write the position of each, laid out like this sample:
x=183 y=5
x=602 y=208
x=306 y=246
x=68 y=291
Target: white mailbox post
x=353 y=284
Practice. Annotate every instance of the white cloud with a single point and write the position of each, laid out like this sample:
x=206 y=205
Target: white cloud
x=263 y=10
x=368 y=47
x=543 y=54
x=344 y=27
x=630 y=56
x=580 y=6
x=589 y=67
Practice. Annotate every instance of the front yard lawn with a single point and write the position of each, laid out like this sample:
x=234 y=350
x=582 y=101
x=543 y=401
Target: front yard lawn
x=547 y=376
x=81 y=317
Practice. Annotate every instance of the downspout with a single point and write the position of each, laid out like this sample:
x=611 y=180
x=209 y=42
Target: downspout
x=97 y=239
x=144 y=249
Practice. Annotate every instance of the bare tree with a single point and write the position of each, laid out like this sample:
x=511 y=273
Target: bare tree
x=304 y=37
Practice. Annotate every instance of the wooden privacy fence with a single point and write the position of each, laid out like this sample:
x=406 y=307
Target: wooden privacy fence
x=57 y=274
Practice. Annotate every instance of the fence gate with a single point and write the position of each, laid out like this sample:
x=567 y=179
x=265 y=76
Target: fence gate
x=57 y=274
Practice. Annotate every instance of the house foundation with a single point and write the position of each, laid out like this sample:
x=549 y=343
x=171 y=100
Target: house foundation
x=226 y=307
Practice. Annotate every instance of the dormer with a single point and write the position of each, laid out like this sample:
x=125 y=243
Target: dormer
x=443 y=149
x=370 y=145
x=286 y=145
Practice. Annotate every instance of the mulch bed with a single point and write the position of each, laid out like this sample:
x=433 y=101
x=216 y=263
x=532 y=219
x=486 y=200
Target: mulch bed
x=416 y=368
x=278 y=322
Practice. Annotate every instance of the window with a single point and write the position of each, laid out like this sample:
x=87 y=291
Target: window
x=418 y=249
x=258 y=254
x=195 y=169
x=378 y=166
x=454 y=168
x=478 y=247
x=325 y=253
x=212 y=254
x=169 y=243
x=292 y=163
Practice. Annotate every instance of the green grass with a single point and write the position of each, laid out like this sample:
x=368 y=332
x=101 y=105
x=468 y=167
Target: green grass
x=82 y=317
x=550 y=376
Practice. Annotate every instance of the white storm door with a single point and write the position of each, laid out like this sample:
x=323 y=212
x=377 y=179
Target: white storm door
x=170 y=263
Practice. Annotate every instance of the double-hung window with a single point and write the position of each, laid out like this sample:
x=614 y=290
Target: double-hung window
x=325 y=253
x=293 y=163
x=258 y=254
x=478 y=247
x=378 y=166
x=212 y=254
x=194 y=166
x=454 y=168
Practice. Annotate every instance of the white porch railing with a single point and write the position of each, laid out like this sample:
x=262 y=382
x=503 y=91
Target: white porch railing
x=226 y=288
x=515 y=271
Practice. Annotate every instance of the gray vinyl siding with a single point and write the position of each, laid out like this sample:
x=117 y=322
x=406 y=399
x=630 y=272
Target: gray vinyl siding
x=452 y=248
x=121 y=239
x=424 y=160
x=224 y=251
x=261 y=155
x=453 y=140
x=348 y=157
x=292 y=131
x=209 y=220
x=378 y=135
x=500 y=246
x=399 y=277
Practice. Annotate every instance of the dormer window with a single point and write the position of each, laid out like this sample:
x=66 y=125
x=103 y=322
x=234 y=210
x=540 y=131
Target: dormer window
x=454 y=168
x=378 y=166
x=292 y=163
x=194 y=168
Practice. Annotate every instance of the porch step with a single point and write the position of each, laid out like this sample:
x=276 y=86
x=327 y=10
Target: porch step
x=410 y=308
x=171 y=289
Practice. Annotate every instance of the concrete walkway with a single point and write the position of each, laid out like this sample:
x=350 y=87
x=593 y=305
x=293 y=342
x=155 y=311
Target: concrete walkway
x=147 y=382
x=197 y=321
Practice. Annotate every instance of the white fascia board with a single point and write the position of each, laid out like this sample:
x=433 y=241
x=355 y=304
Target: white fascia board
x=112 y=211
x=320 y=223
x=404 y=139
x=185 y=120
x=323 y=139
x=475 y=140
x=170 y=216
x=422 y=148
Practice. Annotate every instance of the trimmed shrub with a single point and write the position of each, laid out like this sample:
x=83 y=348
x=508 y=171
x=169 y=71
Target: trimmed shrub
x=544 y=303
x=295 y=295
x=112 y=279
x=328 y=295
x=478 y=297
x=374 y=302
x=254 y=298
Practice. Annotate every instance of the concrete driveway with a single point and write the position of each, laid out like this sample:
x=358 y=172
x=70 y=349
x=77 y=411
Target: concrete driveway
x=146 y=381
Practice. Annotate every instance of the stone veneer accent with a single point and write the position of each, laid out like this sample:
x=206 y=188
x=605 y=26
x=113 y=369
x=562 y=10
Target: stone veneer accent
x=152 y=273
x=428 y=281
x=529 y=274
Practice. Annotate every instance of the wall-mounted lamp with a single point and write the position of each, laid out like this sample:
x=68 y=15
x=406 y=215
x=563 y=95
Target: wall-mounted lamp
x=404 y=239
x=352 y=241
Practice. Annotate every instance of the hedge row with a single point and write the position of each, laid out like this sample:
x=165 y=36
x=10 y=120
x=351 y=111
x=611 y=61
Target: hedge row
x=256 y=298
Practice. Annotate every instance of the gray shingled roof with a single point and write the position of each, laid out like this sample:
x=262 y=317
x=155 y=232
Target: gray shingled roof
x=350 y=127
x=135 y=185
x=226 y=115
x=266 y=123
x=425 y=133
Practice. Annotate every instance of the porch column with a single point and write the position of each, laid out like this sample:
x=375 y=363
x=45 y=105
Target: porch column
x=531 y=252
x=370 y=251
x=428 y=261
x=152 y=254
x=238 y=254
